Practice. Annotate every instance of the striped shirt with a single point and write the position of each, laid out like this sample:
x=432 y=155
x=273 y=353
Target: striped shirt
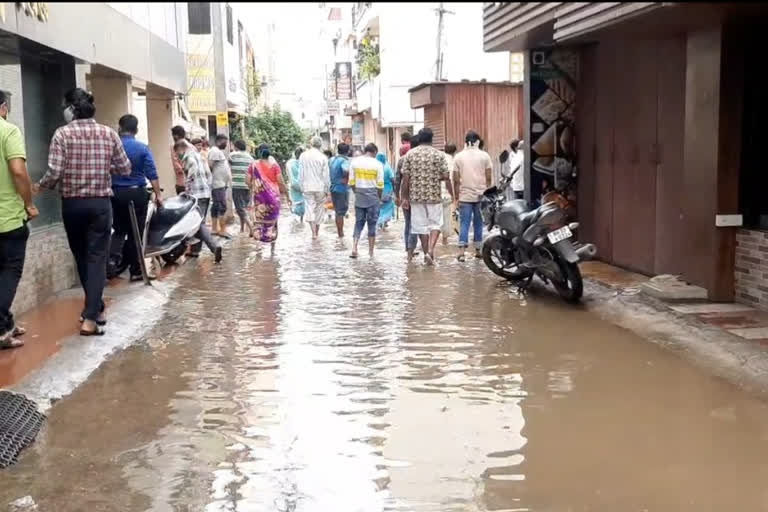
x=239 y=161
x=198 y=176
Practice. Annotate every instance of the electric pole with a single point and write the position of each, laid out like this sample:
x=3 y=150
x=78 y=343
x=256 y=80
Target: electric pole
x=220 y=80
x=439 y=61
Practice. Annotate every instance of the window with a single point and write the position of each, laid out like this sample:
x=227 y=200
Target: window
x=199 y=14
x=230 y=34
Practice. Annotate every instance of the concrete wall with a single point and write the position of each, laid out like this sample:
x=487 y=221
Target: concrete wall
x=163 y=19
x=751 y=269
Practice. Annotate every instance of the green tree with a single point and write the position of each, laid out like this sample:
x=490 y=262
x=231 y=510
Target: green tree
x=276 y=128
x=368 y=62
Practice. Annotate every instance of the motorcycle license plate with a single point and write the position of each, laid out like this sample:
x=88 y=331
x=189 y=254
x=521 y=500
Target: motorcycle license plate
x=559 y=235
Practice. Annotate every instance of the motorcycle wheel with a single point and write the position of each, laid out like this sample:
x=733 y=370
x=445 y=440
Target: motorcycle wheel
x=571 y=288
x=171 y=257
x=491 y=255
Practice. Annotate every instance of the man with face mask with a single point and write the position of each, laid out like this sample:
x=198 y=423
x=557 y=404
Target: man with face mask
x=16 y=209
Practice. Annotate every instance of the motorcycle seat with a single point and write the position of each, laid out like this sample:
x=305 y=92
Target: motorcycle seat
x=173 y=210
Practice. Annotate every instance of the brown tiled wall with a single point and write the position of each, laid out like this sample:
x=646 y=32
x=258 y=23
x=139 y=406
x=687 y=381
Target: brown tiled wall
x=752 y=268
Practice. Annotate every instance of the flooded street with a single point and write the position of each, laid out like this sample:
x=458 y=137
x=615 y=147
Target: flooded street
x=311 y=382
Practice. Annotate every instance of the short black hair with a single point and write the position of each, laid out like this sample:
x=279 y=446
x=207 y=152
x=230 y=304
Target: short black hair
x=450 y=149
x=503 y=157
x=221 y=136
x=471 y=137
x=405 y=137
x=179 y=131
x=3 y=97
x=426 y=136
x=482 y=144
x=240 y=145
x=328 y=153
x=343 y=148
x=514 y=144
x=371 y=148
x=81 y=102
x=129 y=124
x=298 y=152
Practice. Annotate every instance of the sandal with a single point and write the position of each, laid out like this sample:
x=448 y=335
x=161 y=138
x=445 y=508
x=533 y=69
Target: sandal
x=99 y=331
x=19 y=331
x=461 y=258
x=353 y=255
x=101 y=322
x=11 y=342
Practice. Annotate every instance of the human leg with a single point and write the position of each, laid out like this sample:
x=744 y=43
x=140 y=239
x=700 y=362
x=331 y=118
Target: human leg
x=360 y=218
x=341 y=207
x=477 y=223
x=372 y=219
x=13 y=246
x=140 y=200
x=98 y=212
x=465 y=218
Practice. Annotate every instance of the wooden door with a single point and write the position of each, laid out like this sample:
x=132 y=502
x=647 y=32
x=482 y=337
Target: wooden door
x=635 y=136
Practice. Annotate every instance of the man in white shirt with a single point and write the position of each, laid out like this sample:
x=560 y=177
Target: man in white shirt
x=366 y=177
x=472 y=176
x=516 y=163
x=315 y=181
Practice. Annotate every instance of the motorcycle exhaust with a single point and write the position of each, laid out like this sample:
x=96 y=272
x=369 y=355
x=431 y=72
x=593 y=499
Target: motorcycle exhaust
x=586 y=252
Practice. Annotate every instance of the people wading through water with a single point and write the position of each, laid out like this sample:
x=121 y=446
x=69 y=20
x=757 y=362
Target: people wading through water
x=239 y=162
x=339 y=169
x=423 y=170
x=472 y=174
x=178 y=134
x=297 y=199
x=266 y=184
x=410 y=239
x=221 y=180
x=82 y=156
x=314 y=176
x=387 y=209
x=447 y=197
x=198 y=185
x=366 y=177
x=123 y=250
x=16 y=209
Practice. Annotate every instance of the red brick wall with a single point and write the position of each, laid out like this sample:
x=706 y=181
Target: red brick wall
x=751 y=269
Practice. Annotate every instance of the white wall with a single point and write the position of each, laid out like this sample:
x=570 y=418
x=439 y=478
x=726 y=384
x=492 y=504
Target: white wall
x=232 y=69
x=160 y=18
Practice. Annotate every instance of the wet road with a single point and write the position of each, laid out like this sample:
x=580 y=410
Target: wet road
x=311 y=382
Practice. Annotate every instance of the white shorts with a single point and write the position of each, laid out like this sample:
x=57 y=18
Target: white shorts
x=426 y=218
x=315 y=207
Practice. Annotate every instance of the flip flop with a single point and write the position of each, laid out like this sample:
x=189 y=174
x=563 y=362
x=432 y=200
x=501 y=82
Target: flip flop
x=429 y=260
x=353 y=256
x=100 y=323
x=11 y=342
x=98 y=332
x=461 y=258
x=19 y=331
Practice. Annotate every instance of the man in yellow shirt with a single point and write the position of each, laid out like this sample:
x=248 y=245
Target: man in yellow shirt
x=366 y=177
x=16 y=208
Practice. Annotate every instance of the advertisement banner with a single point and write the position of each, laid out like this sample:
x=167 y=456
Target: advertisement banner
x=331 y=87
x=343 y=73
x=358 y=138
x=554 y=76
x=201 y=83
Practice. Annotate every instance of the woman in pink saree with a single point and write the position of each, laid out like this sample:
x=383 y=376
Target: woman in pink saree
x=266 y=183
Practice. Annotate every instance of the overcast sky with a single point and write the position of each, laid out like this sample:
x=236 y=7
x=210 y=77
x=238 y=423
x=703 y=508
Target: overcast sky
x=298 y=57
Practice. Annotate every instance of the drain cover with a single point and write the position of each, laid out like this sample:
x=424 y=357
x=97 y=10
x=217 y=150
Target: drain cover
x=20 y=421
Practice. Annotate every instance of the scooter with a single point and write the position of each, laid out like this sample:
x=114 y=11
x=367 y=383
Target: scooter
x=532 y=243
x=171 y=228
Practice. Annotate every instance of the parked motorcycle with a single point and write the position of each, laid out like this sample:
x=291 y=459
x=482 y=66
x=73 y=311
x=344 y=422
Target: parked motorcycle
x=532 y=243
x=172 y=228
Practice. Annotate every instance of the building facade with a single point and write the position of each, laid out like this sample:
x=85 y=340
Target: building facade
x=647 y=113
x=383 y=108
x=42 y=57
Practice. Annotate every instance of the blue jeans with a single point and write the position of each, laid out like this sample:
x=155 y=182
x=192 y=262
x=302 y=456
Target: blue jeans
x=410 y=240
x=470 y=212
x=363 y=215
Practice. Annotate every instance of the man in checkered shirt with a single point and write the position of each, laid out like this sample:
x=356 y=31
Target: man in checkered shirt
x=81 y=160
x=198 y=184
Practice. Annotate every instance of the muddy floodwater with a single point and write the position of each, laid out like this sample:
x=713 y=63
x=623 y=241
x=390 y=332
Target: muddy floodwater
x=311 y=382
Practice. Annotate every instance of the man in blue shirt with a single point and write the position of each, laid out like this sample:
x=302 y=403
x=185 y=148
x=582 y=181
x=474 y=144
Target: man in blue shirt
x=126 y=189
x=339 y=168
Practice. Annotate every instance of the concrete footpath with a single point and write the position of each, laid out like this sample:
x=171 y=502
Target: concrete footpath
x=728 y=340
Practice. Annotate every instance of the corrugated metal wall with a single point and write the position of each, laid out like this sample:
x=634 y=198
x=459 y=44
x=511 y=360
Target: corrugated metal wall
x=434 y=119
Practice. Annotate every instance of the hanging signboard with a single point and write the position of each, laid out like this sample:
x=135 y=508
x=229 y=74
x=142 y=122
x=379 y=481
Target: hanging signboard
x=343 y=74
x=222 y=119
x=201 y=96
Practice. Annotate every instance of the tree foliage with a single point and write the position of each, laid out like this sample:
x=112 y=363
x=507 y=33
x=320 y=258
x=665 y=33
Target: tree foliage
x=368 y=62
x=276 y=128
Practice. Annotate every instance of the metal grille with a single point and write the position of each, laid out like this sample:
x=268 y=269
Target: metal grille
x=20 y=421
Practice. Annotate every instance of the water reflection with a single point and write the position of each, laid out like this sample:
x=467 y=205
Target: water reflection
x=310 y=382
